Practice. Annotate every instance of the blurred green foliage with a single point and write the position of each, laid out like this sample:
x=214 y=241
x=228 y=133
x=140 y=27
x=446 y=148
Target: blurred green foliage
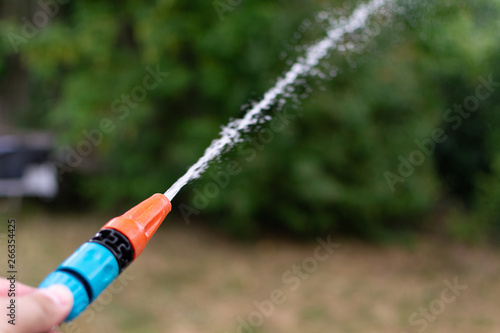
x=327 y=169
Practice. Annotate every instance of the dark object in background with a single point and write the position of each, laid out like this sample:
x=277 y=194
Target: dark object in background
x=25 y=166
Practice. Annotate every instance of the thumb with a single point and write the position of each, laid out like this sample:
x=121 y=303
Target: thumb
x=44 y=309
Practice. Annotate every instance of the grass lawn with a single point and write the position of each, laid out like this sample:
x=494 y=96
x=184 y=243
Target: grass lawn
x=191 y=280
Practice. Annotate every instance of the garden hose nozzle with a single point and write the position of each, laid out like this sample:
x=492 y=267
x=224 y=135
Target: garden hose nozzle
x=98 y=262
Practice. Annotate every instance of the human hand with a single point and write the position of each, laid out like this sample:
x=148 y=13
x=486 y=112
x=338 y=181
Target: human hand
x=36 y=310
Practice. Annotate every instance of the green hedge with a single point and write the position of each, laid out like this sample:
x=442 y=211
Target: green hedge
x=341 y=162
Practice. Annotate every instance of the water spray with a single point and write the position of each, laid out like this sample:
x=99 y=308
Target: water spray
x=98 y=262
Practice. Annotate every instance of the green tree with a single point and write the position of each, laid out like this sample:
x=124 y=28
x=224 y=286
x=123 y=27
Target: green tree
x=334 y=167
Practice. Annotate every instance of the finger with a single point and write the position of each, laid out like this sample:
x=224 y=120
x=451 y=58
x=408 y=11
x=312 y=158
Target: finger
x=43 y=309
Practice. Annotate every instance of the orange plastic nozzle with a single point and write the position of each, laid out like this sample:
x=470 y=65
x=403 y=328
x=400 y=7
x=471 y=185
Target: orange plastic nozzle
x=140 y=223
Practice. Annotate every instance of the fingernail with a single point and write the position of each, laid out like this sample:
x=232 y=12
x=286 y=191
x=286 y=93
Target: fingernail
x=60 y=294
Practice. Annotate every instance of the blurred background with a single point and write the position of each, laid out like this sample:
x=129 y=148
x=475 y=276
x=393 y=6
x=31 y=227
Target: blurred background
x=392 y=149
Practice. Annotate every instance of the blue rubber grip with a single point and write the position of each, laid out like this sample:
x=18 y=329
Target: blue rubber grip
x=87 y=272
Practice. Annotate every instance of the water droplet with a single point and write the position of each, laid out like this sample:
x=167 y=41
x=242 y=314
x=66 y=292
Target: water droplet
x=322 y=16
